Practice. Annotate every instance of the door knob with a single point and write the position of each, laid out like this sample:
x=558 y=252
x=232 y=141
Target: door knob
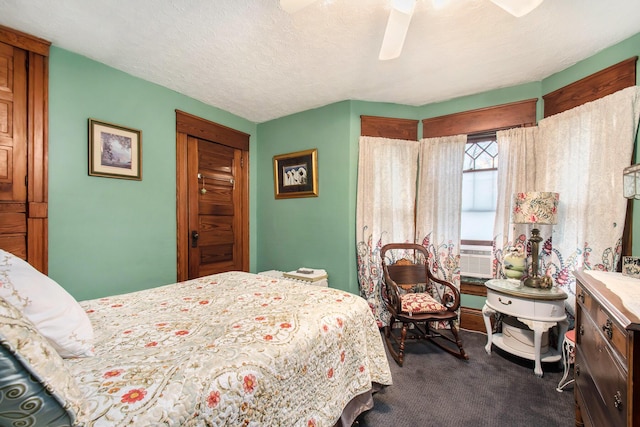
x=194 y=239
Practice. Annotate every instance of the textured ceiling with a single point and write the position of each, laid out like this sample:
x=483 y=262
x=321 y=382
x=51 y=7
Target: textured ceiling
x=250 y=58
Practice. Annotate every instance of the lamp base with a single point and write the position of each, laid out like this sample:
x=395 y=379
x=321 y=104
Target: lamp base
x=541 y=282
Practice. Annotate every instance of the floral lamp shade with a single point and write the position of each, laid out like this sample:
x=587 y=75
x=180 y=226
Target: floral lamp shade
x=535 y=208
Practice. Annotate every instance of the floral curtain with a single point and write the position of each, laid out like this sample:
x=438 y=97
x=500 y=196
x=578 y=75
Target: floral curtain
x=516 y=173
x=580 y=154
x=387 y=171
x=439 y=202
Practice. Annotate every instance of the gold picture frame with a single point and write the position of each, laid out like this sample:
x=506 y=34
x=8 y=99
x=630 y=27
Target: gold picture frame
x=296 y=174
x=114 y=151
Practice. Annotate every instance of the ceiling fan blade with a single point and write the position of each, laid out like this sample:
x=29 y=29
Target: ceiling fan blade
x=518 y=8
x=397 y=26
x=292 y=6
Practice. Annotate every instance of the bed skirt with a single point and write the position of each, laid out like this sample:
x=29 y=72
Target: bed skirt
x=357 y=406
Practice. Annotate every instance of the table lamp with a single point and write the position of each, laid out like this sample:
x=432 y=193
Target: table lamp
x=535 y=208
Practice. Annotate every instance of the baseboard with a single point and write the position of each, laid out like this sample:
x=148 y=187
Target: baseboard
x=472 y=319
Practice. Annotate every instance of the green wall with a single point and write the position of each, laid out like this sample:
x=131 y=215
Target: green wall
x=317 y=232
x=109 y=236
x=484 y=99
x=311 y=232
x=327 y=129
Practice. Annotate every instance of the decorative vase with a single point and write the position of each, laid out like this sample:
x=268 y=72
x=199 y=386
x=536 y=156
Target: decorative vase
x=514 y=265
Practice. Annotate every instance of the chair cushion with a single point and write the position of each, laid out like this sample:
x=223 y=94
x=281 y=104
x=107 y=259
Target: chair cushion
x=36 y=387
x=420 y=303
x=53 y=311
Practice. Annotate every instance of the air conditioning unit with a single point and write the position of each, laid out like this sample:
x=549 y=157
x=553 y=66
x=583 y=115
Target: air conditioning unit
x=476 y=261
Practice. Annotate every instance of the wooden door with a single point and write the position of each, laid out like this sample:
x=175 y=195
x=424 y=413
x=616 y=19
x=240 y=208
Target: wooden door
x=13 y=150
x=215 y=208
x=212 y=185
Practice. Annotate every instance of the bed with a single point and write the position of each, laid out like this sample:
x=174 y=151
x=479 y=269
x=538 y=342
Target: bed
x=232 y=349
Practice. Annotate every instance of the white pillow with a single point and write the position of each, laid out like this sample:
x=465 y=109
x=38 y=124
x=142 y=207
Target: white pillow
x=55 y=313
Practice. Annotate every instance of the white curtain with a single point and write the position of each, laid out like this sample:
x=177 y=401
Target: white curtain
x=516 y=173
x=387 y=172
x=439 y=202
x=580 y=154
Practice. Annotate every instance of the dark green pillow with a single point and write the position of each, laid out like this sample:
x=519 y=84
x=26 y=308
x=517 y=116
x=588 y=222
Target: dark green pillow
x=36 y=388
x=24 y=401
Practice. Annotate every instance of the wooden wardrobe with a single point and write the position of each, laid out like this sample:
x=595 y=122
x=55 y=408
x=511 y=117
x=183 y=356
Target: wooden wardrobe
x=24 y=81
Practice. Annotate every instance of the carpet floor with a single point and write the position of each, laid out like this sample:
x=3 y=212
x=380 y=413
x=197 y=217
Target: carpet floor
x=435 y=389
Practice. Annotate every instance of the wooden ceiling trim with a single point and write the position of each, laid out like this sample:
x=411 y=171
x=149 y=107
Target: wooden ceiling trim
x=521 y=113
x=24 y=41
x=200 y=128
x=387 y=127
x=592 y=87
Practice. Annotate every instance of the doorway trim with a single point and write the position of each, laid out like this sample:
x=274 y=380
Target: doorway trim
x=190 y=125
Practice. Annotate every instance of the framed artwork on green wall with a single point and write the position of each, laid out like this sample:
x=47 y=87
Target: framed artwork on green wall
x=114 y=151
x=296 y=174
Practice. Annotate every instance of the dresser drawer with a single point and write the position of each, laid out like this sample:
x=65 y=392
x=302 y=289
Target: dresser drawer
x=586 y=301
x=607 y=369
x=597 y=393
x=542 y=310
x=614 y=334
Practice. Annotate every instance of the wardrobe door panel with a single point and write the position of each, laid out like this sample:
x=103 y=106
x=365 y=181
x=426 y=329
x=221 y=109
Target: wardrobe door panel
x=24 y=146
x=13 y=149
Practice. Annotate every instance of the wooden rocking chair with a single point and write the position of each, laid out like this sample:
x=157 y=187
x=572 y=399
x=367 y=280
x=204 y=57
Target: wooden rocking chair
x=415 y=297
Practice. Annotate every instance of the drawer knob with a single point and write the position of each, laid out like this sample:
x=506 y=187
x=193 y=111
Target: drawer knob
x=577 y=370
x=607 y=329
x=504 y=303
x=617 y=401
x=581 y=297
x=581 y=330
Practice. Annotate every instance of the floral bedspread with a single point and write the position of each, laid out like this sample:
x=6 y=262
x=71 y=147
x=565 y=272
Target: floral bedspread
x=232 y=349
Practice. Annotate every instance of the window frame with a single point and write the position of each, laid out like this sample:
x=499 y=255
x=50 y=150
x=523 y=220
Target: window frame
x=471 y=139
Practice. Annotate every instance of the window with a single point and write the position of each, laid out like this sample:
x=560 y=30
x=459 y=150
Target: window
x=480 y=125
x=479 y=189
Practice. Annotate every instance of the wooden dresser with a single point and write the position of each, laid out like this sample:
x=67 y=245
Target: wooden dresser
x=607 y=366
